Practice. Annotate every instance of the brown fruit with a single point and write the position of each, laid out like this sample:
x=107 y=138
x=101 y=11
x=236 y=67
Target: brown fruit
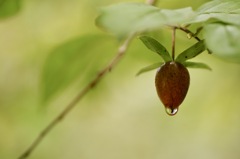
x=172 y=82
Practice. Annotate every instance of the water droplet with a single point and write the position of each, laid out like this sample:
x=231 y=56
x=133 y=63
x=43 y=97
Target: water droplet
x=170 y=111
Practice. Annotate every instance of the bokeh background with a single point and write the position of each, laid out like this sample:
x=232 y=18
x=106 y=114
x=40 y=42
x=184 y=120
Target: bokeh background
x=122 y=118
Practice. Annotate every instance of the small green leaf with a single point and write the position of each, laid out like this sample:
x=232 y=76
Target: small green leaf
x=149 y=68
x=196 y=65
x=223 y=40
x=79 y=59
x=9 y=7
x=129 y=18
x=227 y=11
x=156 y=47
x=191 y=52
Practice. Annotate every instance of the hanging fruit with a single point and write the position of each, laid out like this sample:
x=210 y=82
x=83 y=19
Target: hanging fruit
x=172 y=78
x=172 y=82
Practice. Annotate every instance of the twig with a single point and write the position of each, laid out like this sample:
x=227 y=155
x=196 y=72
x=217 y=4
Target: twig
x=121 y=51
x=189 y=32
x=173 y=42
x=193 y=35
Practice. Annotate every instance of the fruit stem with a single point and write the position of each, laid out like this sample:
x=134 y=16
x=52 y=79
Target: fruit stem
x=173 y=42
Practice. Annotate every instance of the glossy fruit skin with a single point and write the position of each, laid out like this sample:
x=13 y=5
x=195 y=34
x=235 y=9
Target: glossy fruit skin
x=172 y=82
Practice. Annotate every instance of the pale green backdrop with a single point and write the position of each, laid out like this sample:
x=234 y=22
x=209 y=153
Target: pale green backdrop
x=122 y=118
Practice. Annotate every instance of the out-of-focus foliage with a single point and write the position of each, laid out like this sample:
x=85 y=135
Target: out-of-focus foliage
x=9 y=7
x=76 y=58
x=224 y=10
x=227 y=39
x=144 y=18
x=138 y=17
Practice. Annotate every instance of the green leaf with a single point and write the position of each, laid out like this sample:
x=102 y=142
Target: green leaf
x=79 y=59
x=130 y=18
x=191 y=52
x=156 y=47
x=223 y=41
x=149 y=68
x=197 y=65
x=227 y=11
x=9 y=7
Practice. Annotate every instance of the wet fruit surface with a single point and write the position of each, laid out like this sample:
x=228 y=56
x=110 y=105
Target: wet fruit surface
x=172 y=82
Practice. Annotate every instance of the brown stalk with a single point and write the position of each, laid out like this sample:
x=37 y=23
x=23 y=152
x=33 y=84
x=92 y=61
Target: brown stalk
x=173 y=42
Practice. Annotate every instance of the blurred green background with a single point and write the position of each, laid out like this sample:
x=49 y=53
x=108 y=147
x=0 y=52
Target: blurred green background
x=122 y=118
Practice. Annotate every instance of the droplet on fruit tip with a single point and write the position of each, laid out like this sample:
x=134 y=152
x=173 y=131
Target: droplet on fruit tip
x=170 y=111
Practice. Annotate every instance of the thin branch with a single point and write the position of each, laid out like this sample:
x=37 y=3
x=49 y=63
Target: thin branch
x=173 y=42
x=198 y=31
x=121 y=51
x=189 y=32
x=184 y=29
